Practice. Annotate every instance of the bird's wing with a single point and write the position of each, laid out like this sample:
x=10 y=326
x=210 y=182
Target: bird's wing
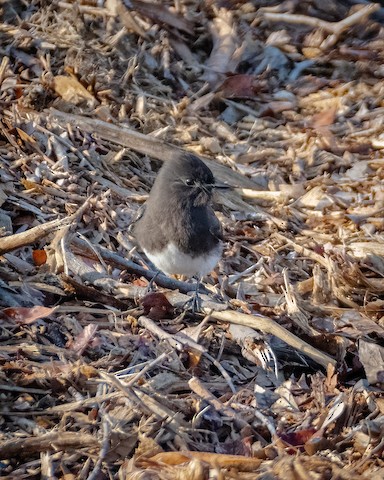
x=216 y=228
x=139 y=214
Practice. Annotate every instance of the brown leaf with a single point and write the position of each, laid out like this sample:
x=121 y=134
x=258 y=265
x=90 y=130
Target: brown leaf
x=194 y=358
x=39 y=257
x=24 y=316
x=298 y=438
x=72 y=91
x=242 y=85
x=156 y=306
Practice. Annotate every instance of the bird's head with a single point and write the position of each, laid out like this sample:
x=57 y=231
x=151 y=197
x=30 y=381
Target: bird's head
x=190 y=179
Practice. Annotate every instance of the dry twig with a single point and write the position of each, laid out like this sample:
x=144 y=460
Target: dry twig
x=334 y=28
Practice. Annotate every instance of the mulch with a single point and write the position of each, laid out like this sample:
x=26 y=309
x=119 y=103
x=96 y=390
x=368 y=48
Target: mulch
x=280 y=376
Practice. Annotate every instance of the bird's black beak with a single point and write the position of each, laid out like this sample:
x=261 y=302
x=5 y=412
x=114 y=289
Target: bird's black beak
x=222 y=186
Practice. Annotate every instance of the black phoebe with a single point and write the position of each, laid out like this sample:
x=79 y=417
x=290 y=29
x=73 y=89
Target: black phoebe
x=178 y=229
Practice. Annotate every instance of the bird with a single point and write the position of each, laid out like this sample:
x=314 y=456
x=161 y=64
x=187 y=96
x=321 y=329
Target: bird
x=177 y=228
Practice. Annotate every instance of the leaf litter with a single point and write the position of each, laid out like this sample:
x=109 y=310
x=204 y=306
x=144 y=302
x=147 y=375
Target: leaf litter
x=282 y=375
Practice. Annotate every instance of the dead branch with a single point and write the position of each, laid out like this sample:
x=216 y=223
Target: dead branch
x=50 y=441
x=124 y=264
x=330 y=27
x=266 y=325
x=34 y=234
x=197 y=387
x=18 y=240
x=217 y=460
x=334 y=28
x=144 y=144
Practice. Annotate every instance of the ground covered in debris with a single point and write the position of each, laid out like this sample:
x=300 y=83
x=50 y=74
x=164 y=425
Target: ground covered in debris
x=281 y=375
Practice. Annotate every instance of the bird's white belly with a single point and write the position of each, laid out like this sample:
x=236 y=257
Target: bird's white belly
x=172 y=261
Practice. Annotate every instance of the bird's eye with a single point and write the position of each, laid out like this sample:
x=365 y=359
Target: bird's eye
x=189 y=182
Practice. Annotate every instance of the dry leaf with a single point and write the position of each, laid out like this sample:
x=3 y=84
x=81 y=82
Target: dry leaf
x=23 y=315
x=72 y=91
x=39 y=257
x=156 y=306
x=243 y=85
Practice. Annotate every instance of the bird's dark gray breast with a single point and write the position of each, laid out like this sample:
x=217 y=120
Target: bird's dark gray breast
x=194 y=230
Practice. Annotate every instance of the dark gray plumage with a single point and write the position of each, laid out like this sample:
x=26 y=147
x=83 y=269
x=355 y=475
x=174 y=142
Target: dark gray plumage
x=178 y=229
